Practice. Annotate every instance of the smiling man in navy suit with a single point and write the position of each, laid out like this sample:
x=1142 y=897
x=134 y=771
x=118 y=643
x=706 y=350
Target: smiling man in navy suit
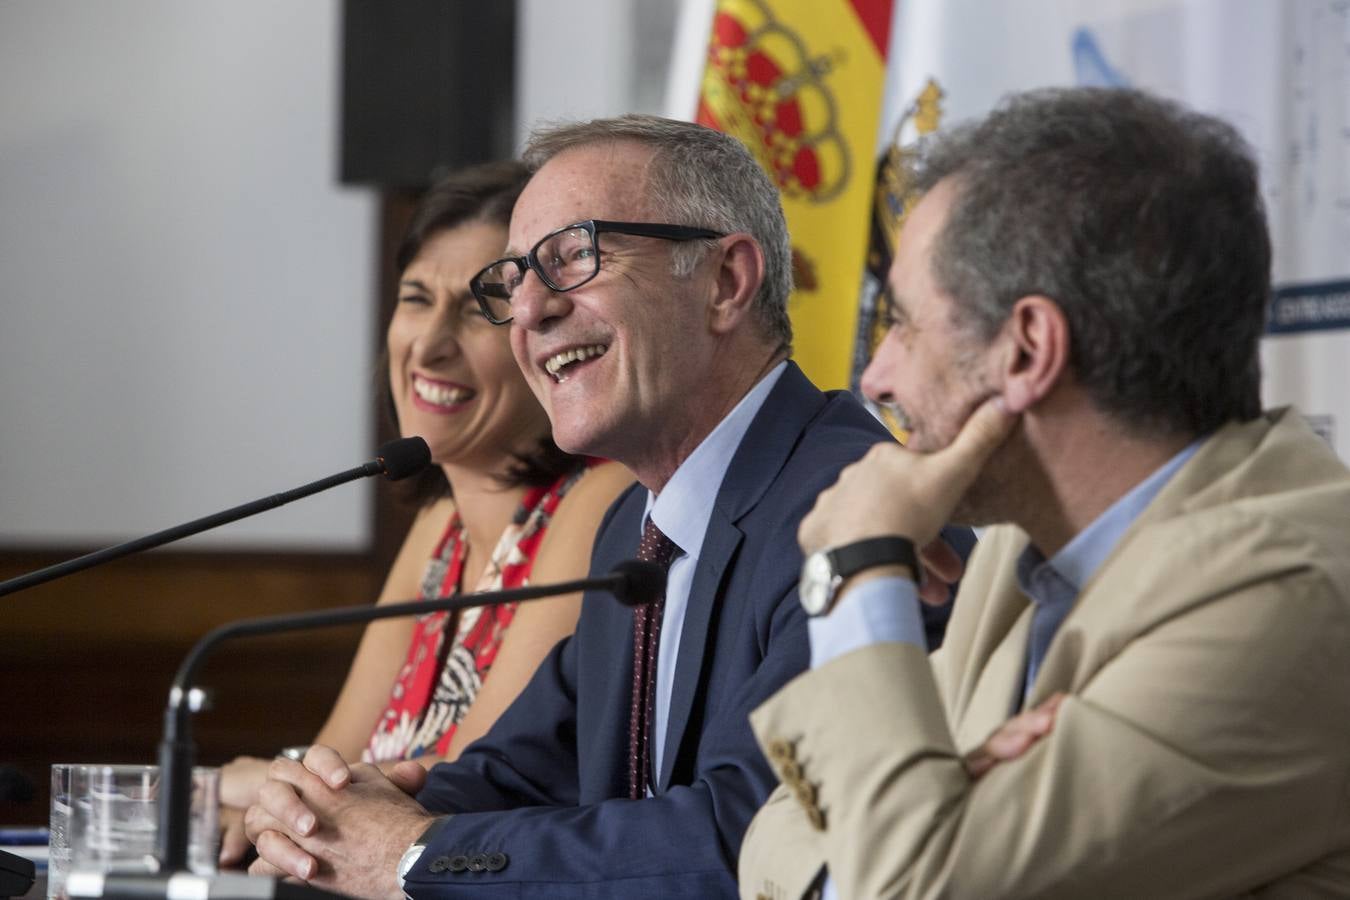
x=646 y=292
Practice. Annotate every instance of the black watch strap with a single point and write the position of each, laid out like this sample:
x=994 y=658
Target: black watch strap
x=413 y=854
x=433 y=830
x=850 y=559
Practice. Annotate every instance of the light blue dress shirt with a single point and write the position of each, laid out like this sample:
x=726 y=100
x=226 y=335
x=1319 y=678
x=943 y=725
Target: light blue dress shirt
x=886 y=609
x=682 y=511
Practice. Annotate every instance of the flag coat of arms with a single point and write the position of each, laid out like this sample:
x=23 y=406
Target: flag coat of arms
x=800 y=83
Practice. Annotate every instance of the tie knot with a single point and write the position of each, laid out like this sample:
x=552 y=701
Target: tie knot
x=655 y=546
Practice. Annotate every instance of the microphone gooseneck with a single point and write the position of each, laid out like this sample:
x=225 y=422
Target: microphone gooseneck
x=398 y=459
x=632 y=581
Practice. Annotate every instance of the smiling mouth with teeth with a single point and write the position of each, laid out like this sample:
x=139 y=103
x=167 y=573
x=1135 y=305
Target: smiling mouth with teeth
x=440 y=394
x=557 y=365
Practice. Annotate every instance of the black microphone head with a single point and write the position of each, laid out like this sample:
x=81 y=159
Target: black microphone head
x=404 y=457
x=643 y=582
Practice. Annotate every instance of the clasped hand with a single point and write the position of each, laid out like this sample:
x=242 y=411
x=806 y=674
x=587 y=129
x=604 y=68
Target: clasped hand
x=340 y=827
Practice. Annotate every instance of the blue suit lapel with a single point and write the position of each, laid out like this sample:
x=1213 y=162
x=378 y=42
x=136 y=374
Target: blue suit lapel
x=719 y=546
x=602 y=727
x=790 y=406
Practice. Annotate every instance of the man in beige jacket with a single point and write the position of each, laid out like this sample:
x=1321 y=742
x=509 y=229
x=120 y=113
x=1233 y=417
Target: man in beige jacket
x=1145 y=687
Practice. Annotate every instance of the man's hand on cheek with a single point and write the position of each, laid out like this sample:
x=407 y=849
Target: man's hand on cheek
x=893 y=491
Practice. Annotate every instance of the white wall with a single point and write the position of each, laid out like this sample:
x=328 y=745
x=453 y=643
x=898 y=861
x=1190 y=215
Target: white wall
x=592 y=58
x=186 y=295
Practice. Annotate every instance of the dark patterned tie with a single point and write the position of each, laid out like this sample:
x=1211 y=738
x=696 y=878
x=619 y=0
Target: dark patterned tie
x=659 y=549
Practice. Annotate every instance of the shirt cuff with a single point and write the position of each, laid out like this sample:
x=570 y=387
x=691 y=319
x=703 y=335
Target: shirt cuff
x=874 y=612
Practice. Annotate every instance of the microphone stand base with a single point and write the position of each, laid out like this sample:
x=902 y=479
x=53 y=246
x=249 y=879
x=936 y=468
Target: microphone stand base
x=189 y=886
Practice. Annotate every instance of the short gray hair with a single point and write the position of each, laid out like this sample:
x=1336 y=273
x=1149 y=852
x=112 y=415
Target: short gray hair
x=1141 y=219
x=704 y=178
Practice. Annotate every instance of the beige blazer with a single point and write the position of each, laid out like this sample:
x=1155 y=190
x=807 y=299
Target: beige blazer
x=1204 y=750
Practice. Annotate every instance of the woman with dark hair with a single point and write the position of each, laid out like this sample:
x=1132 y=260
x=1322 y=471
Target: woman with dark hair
x=502 y=506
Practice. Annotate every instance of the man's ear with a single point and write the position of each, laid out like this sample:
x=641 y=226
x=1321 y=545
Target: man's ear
x=740 y=272
x=1036 y=340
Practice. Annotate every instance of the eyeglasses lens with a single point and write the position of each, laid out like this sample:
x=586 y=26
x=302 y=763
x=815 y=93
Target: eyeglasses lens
x=494 y=287
x=567 y=258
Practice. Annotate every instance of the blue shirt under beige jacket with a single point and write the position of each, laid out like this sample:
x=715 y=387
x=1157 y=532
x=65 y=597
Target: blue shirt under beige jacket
x=886 y=609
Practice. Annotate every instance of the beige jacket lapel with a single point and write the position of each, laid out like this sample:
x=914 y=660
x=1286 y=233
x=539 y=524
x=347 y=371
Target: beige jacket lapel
x=991 y=645
x=1124 y=598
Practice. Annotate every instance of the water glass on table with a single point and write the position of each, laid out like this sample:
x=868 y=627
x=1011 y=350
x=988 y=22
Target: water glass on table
x=105 y=818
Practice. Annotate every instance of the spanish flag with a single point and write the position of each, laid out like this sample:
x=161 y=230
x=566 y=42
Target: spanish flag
x=800 y=82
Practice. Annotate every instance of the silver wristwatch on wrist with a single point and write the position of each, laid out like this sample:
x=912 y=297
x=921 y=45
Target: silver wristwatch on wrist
x=414 y=851
x=825 y=570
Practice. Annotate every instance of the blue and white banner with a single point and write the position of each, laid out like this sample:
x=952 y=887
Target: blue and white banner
x=1279 y=71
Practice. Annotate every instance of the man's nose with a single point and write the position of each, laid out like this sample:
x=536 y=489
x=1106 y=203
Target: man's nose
x=534 y=304
x=879 y=376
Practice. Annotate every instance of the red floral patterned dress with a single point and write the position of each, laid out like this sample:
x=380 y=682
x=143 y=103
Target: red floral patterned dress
x=450 y=656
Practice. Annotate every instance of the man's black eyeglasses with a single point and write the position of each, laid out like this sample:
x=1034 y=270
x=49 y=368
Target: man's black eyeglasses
x=564 y=260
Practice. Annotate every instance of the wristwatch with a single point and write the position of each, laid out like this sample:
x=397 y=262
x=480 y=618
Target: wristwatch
x=414 y=852
x=824 y=570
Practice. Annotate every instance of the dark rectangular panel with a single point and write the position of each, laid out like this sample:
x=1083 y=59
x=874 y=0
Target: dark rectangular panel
x=427 y=86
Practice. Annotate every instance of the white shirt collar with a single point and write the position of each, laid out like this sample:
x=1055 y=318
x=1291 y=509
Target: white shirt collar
x=685 y=504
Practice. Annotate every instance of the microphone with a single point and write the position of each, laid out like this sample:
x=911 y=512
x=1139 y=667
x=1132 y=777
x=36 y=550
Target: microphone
x=632 y=582
x=645 y=582
x=396 y=460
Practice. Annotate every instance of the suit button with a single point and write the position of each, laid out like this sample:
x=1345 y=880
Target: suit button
x=780 y=749
x=806 y=793
x=457 y=864
x=496 y=862
x=815 y=817
x=477 y=862
x=439 y=864
x=791 y=771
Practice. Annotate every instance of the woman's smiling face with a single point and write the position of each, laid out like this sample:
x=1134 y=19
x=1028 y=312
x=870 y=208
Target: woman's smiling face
x=454 y=380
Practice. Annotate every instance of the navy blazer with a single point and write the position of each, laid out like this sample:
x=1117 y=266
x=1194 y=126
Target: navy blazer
x=541 y=800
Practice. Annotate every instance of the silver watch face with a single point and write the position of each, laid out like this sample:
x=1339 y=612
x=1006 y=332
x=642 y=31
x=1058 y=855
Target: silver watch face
x=408 y=860
x=814 y=588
